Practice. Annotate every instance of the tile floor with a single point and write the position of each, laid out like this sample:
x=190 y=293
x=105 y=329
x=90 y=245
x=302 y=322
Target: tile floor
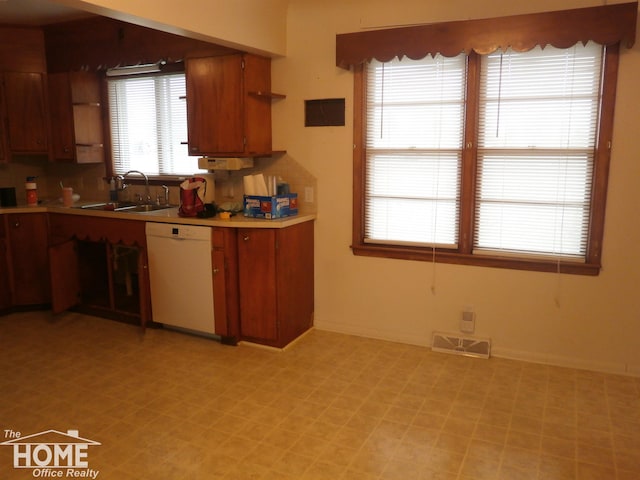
x=165 y=405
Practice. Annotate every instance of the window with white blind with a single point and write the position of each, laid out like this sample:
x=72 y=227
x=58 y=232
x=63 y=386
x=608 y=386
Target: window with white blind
x=148 y=117
x=415 y=120
x=536 y=143
x=492 y=157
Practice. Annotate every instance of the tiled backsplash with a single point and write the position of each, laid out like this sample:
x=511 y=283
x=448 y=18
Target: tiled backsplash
x=229 y=185
x=88 y=180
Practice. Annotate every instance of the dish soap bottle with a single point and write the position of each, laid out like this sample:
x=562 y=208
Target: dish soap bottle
x=113 y=193
x=32 y=191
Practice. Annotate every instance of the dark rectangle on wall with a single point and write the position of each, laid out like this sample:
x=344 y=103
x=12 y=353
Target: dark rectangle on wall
x=326 y=112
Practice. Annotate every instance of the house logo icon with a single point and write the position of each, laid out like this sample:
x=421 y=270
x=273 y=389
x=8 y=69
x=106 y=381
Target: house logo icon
x=51 y=453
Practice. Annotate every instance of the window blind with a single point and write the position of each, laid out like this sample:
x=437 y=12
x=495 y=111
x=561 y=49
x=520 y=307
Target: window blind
x=536 y=144
x=149 y=125
x=414 y=134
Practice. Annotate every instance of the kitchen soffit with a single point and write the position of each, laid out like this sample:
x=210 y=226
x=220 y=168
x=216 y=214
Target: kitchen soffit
x=37 y=12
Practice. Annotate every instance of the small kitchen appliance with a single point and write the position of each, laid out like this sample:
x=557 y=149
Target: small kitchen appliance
x=8 y=197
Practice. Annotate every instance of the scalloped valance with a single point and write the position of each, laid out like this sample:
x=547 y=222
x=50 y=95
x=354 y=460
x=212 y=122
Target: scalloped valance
x=606 y=25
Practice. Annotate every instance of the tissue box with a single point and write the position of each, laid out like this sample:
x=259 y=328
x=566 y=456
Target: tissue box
x=276 y=206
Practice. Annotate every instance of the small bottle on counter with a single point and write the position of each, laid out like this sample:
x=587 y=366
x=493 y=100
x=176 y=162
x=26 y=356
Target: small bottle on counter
x=32 y=191
x=113 y=193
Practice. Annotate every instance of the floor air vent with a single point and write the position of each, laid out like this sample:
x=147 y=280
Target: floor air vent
x=460 y=345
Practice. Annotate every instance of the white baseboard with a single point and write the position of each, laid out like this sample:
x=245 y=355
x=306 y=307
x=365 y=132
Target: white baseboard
x=562 y=361
x=276 y=349
x=496 y=351
x=374 y=333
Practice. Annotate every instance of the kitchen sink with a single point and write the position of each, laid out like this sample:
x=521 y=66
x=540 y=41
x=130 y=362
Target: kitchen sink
x=143 y=208
x=123 y=207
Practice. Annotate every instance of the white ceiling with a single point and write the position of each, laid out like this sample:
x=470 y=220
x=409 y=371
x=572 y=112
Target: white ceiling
x=36 y=12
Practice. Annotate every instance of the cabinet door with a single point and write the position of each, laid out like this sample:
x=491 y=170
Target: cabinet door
x=112 y=264
x=62 y=139
x=224 y=258
x=215 y=105
x=63 y=268
x=295 y=282
x=4 y=152
x=257 y=279
x=76 y=117
x=29 y=258
x=257 y=109
x=87 y=117
x=26 y=112
x=5 y=284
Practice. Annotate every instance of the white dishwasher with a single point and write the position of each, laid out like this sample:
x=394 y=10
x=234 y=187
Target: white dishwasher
x=181 y=276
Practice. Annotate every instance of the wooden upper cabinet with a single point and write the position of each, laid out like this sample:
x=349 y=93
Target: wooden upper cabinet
x=22 y=49
x=76 y=117
x=228 y=105
x=62 y=137
x=24 y=124
x=4 y=152
x=26 y=112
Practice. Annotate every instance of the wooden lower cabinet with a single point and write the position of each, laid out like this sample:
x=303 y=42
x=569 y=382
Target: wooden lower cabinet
x=263 y=278
x=225 y=284
x=100 y=265
x=275 y=277
x=4 y=150
x=28 y=258
x=5 y=282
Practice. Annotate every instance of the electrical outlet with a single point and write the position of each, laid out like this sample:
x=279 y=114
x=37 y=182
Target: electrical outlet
x=308 y=194
x=468 y=321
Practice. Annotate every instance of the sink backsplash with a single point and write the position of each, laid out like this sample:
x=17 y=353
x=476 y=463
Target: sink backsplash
x=88 y=180
x=229 y=184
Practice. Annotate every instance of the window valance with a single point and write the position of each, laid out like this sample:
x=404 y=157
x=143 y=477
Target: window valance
x=606 y=25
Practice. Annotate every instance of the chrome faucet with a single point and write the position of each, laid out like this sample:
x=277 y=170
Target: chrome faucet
x=146 y=183
x=166 y=194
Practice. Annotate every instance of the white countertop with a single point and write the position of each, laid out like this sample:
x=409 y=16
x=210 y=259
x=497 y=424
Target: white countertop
x=168 y=215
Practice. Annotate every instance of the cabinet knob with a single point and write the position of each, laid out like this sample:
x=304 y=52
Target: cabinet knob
x=215 y=270
x=17 y=224
x=245 y=238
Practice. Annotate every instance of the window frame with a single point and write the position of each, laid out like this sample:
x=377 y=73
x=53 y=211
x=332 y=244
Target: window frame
x=154 y=179
x=463 y=254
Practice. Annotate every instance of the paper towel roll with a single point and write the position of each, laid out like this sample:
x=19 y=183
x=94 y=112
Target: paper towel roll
x=272 y=185
x=249 y=185
x=260 y=185
x=210 y=192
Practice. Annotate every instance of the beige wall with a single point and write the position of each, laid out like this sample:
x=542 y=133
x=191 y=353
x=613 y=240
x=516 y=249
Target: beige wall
x=569 y=320
x=591 y=322
x=252 y=25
